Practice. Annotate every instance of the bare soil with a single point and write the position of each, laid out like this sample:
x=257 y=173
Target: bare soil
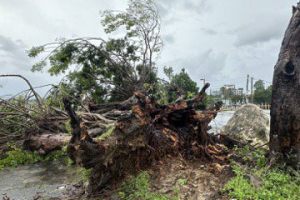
x=203 y=180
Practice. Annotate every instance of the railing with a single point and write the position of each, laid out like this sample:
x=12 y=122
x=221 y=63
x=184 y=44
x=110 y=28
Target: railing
x=236 y=106
x=265 y=107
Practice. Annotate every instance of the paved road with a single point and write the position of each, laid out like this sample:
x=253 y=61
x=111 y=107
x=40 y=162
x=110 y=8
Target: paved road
x=45 y=179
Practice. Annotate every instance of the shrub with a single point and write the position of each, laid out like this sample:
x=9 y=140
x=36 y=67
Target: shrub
x=276 y=183
x=18 y=157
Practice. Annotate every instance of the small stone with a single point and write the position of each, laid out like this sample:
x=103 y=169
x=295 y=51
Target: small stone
x=62 y=187
x=36 y=197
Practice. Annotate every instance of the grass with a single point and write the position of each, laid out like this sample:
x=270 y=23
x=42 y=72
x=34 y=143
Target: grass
x=68 y=126
x=18 y=157
x=182 y=182
x=256 y=157
x=276 y=183
x=85 y=173
x=59 y=155
x=139 y=188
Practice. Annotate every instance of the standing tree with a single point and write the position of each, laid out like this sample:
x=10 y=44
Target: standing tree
x=285 y=109
x=226 y=93
x=259 y=85
x=262 y=94
x=268 y=94
x=259 y=95
x=113 y=69
x=236 y=98
x=180 y=84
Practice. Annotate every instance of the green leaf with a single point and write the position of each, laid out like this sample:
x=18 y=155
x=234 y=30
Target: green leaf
x=34 y=51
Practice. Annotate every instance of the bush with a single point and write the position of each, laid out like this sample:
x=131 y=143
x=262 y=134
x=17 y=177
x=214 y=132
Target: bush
x=18 y=157
x=238 y=186
x=276 y=183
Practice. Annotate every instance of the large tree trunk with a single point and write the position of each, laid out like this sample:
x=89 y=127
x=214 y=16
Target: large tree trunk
x=285 y=107
x=46 y=142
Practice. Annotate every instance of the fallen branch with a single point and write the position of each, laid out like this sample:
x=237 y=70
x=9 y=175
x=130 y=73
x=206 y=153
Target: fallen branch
x=37 y=97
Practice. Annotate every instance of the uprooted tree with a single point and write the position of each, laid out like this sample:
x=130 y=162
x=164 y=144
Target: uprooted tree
x=99 y=74
x=143 y=137
x=144 y=133
x=110 y=89
x=285 y=109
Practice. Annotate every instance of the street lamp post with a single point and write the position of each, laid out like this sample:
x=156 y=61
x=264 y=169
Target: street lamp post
x=203 y=79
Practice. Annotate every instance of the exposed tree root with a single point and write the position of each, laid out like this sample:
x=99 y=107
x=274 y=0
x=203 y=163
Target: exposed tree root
x=142 y=138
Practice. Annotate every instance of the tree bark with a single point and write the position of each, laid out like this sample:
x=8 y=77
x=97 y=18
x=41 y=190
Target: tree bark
x=285 y=106
x=46 y=142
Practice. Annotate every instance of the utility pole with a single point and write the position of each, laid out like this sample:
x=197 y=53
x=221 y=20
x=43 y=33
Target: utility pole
x=252 y=94
x=247 y=85
x=247 y=89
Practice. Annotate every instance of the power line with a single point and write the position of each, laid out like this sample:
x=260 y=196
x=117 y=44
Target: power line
x=262 y=80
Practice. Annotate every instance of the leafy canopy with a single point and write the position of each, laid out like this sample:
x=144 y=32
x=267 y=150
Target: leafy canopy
x=179 y=84
x=113 y=69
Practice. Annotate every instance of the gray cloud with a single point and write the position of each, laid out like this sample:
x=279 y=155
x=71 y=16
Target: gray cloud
x=168 y=38
x=207 y=64
x=14 y=54
x=256 y=33
x=162 y=8
x=6 y=44
x=199 y=7
x=167 y=6
x=14 y=60
x=208 y=31
x=15 y=48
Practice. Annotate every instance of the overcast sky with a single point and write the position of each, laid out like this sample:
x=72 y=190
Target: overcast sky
x=221 y=41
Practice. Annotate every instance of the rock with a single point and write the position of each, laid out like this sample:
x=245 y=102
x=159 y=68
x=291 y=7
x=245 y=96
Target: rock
x=36 y=197
x=248 y=124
